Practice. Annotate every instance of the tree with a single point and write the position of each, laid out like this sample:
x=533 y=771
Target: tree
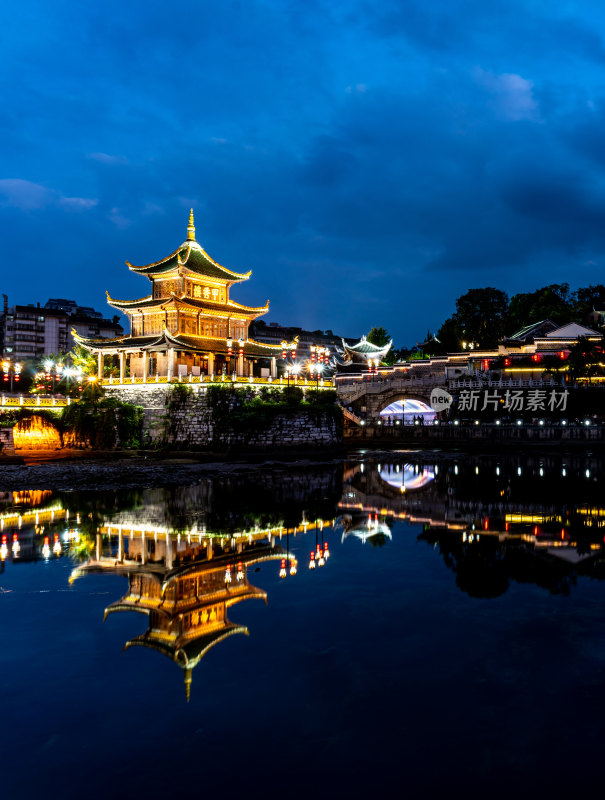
x=550 y=302
x=587 y=300
x=450 y=336
x=380 y=337
x=84 y=360
x=585 y=359
x=481 y=315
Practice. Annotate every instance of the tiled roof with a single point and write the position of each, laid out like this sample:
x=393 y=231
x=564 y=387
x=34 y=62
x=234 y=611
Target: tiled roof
x=156 y=302
x=198 y=344
x=194 y=258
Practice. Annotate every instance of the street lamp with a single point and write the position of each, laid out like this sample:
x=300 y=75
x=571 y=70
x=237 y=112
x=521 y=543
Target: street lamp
x=288 y=355
x=229 y=353
x=54 y=374
x=319 y=354
x=315 y=369
x=68 y=374
x=58 y=374
x=319 y=359
x=11 y=372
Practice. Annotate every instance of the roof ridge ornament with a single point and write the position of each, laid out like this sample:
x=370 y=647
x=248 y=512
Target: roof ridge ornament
x=191 y=228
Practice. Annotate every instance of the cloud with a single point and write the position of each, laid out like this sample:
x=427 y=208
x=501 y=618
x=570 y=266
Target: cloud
x=28 y=196
x=119 y=219
x=78 y=203
x=24 y=195
x=340 y=149
x=512 y=95
x=105 y=158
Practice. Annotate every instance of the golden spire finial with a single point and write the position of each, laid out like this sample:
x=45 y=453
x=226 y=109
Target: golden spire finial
x=191 y=228
x=188 y=678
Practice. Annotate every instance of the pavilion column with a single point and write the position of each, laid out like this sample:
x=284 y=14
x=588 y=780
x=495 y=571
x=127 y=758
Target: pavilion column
x=120 y=545
x=122 y=370
x=170 y=363
x=98 y=547
x=168 y=551
x=240 y=365
x=143 y=549
x=145 y=365
x=274 y=368
x=211 y=364
x=99 y=365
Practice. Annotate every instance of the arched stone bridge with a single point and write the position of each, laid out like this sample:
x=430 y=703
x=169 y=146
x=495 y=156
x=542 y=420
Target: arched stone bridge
x=364 y=395
x=368 y=394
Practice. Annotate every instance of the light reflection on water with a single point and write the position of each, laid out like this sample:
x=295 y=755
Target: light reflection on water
x=408 y=594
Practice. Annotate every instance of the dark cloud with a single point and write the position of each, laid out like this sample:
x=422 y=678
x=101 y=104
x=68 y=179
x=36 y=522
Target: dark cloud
x=369 y=162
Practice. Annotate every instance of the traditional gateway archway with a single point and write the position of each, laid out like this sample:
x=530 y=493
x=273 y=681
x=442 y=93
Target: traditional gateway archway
x=407 y=411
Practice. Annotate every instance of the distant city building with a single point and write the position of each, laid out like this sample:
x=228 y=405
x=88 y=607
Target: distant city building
x=31 y=331
x=72 y=308
x=274 y=333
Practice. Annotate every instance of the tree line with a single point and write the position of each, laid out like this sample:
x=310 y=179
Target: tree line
x=483 y=317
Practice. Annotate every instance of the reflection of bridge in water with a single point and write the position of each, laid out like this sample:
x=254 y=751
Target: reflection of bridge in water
x=486 y=504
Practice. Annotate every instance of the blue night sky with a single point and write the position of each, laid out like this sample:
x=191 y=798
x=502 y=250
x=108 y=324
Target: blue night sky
x=369 y=161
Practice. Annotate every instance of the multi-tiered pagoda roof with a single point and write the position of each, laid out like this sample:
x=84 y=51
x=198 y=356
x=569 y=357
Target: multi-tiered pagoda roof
x=188 y=310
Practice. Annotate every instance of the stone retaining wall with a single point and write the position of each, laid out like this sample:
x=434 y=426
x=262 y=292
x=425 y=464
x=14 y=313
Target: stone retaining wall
x=423 y=435
x=7 y=446
x=194 y=424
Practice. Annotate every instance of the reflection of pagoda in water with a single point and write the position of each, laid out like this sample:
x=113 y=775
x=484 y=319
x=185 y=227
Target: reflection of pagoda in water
x=185 y=587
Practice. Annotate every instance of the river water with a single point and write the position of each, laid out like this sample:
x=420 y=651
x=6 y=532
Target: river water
x=418 y=623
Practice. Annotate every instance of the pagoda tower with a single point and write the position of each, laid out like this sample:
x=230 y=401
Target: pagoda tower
x=187 y=324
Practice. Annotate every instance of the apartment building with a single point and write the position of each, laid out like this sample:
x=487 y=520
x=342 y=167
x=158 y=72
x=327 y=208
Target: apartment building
x=31 y=331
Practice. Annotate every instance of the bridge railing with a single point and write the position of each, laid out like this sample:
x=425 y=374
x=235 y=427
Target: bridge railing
x=33 y=401
x=478 y=383
x=366 y=384
x=323 y=383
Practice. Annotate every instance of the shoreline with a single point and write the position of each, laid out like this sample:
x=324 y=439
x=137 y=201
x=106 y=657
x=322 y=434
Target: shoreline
x=90 y=470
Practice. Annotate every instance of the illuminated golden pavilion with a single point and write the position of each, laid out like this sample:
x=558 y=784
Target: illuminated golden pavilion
x=188 y=324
